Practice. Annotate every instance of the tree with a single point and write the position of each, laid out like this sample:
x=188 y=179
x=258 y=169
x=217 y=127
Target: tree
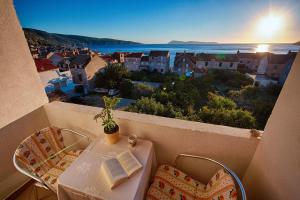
x=151 y=106
x=148 y=106
x=163 y=96
x=219 y=102
x=259 y=101
x=233 y=117
x=126 y=88
x=111 y=76
x=222 y=110
x=143 y=90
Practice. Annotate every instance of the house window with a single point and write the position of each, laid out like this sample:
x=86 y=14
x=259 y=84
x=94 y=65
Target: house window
x=183 y=60
x=206 y=63
x=248 y=61
x=161 y=70
x=231 y=65
x=220 y=64
x=187 y=65
x=80 y=77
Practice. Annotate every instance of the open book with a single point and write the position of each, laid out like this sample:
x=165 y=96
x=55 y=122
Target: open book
x=118 y=169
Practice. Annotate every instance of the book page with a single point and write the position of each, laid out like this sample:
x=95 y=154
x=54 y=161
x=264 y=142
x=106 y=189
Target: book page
x=129 y=162
x=113 y=171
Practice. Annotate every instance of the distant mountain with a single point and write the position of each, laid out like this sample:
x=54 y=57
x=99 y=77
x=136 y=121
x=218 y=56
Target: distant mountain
x=36 y=37
x=297 y=43
x=190 y=42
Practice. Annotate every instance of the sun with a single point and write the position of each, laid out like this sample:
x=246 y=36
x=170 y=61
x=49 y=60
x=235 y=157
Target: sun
x=270 y=26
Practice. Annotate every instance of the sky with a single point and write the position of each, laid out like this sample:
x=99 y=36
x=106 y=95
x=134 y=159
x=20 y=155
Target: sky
x=160 y=21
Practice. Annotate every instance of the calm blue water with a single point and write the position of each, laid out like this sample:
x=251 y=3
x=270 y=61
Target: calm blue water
x=197 y=48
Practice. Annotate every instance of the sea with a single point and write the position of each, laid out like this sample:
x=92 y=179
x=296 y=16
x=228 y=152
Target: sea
x=196 y=48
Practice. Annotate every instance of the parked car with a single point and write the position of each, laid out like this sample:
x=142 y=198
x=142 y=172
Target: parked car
x=101 y=90
x=113 y=92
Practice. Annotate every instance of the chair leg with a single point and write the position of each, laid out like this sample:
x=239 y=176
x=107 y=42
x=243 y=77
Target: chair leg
x=35 y=192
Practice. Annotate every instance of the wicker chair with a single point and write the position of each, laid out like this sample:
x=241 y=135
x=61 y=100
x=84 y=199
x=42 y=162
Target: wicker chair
x=43 y=156
x=172 y=184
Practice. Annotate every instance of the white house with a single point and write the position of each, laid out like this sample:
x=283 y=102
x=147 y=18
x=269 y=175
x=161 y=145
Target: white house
x=159 y=61
x=132 y=61
x=217 y=61
x=144 y=63
x=83 y=68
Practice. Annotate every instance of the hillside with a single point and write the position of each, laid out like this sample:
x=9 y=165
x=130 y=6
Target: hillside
x=190 y=42
x=36 y=37
x=297 y=43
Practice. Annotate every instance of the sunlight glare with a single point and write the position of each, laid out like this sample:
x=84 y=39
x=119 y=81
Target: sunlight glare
x=262 y=48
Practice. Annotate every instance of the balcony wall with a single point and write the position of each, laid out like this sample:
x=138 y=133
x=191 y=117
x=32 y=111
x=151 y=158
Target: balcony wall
x=233 y=146
x=274 y=172
x=20 y=85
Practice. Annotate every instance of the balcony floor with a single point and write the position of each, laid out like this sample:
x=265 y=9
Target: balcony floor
x=28 y=194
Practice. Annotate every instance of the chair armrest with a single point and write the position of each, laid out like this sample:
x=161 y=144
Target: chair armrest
x=236 y=178
x=26 y=173
x=77 y=133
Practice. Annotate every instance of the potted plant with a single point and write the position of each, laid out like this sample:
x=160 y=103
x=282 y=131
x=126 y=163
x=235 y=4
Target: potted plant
x=111 y=128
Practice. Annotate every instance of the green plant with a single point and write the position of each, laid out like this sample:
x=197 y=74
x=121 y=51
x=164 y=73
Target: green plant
x=110 y=126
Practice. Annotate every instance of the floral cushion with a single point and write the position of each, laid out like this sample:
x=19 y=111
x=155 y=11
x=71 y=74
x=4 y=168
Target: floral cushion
x=36 y=150
x=172 y=184
x=50 y=177
x=220 y=187
x=43 y=154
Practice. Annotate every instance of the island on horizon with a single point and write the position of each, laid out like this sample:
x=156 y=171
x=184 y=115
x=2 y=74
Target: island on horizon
x=35 y=36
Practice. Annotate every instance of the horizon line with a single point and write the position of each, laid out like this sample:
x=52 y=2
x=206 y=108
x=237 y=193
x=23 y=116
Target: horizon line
x=212 y=42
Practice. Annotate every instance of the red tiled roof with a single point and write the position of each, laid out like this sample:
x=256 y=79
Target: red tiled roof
x=44 y=65
x=145 y=58
x=107 y=58
x=134 y=55
x=159 y=53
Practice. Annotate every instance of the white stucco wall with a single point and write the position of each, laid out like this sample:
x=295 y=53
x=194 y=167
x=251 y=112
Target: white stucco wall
x=274 y=172
x=132 y=64
x=215 y=65
x=20 y=85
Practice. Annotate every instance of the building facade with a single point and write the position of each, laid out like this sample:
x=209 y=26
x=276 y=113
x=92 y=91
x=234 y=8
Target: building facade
x=119 y=56
x=159 y=61
x=83 y=69
x=144 y=63
x=184 y=63
x=132 y=61
x=217 y=61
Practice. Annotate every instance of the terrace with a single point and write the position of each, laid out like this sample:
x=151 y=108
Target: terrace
x=268 y=167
